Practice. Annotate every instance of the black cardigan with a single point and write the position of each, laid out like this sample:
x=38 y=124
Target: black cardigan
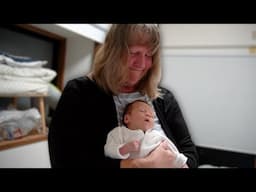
x=84 y=116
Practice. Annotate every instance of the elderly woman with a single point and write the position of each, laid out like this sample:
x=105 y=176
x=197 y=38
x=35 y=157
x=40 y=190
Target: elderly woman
x=126 y=68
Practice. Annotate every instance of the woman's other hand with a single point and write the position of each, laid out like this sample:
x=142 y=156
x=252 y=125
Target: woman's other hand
x=161 y=157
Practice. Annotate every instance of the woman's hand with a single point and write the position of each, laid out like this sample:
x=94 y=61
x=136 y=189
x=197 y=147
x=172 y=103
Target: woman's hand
x=161 y=157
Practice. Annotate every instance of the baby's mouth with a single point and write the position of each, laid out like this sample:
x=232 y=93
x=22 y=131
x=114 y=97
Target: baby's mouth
x=147 y=120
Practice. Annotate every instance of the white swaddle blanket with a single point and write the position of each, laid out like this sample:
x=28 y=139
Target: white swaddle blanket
x=148 y=142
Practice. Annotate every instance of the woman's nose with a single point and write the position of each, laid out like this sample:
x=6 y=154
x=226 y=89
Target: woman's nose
x=140 y=62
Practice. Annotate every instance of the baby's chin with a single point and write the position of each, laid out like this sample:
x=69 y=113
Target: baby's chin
x=147 y=128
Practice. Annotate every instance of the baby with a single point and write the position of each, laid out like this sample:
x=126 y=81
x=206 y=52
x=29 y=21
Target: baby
x=138 y=138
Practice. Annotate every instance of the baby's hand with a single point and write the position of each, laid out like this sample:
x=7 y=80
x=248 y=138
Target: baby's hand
x=133 y=146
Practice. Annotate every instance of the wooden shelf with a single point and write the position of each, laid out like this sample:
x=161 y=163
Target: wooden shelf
x=34 y=136
x=24 y=95
x=22 y=141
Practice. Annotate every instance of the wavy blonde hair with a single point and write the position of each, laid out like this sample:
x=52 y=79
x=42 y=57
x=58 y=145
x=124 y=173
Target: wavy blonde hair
x=109 y=68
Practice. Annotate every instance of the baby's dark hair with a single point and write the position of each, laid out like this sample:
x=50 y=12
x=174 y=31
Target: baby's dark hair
x=128 y=108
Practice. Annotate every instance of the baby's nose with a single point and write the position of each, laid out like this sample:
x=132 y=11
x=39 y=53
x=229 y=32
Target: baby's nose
x=149 y=115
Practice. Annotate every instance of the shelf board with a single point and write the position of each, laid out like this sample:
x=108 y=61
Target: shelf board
x=25 y=95
x=6 y=144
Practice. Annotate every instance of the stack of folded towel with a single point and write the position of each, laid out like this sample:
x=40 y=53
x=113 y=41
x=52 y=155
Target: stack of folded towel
x=23 y=75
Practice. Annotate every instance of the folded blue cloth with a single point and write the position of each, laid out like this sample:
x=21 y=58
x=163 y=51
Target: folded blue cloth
x=20 y=61
x=17 y=57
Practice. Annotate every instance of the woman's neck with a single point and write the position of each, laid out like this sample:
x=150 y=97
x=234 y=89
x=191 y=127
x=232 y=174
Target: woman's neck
x=127 y=89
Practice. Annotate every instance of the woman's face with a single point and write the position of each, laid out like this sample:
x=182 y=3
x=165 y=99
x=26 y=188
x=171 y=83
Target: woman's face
x=139 y=62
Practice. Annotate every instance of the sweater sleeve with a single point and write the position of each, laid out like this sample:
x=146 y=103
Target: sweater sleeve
x=62 y=137
x=179 y=129
x=78 y=132
x=113 y=144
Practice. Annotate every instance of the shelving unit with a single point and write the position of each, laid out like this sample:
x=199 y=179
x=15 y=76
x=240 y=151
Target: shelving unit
x=33 y=136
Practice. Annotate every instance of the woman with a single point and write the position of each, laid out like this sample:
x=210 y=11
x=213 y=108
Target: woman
x=126 y=68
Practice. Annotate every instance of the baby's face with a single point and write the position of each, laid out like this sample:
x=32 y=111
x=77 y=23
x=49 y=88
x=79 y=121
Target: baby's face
x=141 y=117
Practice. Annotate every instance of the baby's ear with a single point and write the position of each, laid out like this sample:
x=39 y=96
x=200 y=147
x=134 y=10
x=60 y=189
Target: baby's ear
x=126 y=119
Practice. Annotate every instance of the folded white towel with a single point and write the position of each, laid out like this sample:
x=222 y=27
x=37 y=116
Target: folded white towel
x=45 y=74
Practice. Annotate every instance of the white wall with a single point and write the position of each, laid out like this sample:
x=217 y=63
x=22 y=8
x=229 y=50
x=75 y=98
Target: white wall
x=28 y=156
x=217 y=95
x=94 y=32
x=78 y=57
x=212 y=71
x=208 y=35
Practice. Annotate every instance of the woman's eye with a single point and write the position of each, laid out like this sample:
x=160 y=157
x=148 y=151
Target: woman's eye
x=149 y=55
x=137 y=53
x=134 y=53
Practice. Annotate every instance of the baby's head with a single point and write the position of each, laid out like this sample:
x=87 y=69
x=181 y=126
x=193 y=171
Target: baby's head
x=138 y=115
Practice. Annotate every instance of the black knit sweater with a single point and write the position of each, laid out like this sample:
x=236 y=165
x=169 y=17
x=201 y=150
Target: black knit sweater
x=84 y=116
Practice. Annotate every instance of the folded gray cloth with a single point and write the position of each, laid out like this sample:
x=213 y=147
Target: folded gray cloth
x=18 y=123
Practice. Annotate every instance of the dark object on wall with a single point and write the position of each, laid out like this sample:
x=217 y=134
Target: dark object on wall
x=224 y=158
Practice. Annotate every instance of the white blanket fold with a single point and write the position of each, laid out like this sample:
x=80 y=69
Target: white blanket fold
x=44 y=74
